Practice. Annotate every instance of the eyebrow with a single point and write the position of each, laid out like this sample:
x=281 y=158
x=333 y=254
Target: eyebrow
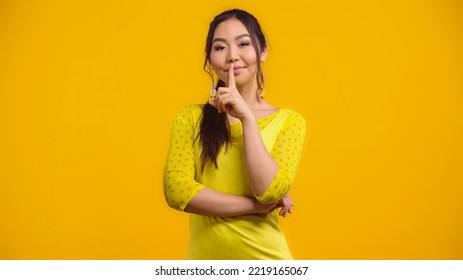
x=236 y=38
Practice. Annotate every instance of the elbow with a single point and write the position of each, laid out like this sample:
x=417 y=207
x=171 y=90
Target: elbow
x=173 y=204
x=277 y=189
x=171 y=198
x=178 y=191
x=171 y=192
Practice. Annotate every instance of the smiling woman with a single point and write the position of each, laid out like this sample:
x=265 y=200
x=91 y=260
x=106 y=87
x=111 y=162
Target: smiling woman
x=231 y=161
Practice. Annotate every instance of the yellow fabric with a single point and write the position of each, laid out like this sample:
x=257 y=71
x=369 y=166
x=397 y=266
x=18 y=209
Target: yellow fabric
x=256 y=236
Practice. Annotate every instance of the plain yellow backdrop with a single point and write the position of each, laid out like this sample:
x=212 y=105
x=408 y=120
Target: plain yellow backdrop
x=88 y=91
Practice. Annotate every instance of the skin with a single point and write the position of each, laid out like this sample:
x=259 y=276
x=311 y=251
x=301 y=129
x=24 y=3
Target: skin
x=233 y=59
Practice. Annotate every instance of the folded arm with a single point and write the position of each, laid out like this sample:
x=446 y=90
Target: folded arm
x=271 y=174
x=181 y=190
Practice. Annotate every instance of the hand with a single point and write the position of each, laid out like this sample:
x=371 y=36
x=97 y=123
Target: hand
x=286 y=204
x=230 y=101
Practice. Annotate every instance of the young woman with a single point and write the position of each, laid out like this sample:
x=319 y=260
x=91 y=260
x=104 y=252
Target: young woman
x=231 y=161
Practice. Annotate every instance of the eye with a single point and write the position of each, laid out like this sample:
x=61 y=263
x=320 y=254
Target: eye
x=219 y=48
x=244 y=44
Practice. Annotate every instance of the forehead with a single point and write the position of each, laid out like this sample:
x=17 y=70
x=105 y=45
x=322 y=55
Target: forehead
x=229 y=29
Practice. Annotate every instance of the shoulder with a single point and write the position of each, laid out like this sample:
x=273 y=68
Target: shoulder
x=293 y=120
x=189 y=113
x=294 y=116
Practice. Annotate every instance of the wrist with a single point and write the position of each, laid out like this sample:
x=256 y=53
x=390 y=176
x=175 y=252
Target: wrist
x=260 y=208
x=249 y=118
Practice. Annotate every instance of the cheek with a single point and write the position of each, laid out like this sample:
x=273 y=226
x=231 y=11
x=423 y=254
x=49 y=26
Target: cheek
x=217 y=66
x=250 y=54
x=250 y=59
x=215 y=59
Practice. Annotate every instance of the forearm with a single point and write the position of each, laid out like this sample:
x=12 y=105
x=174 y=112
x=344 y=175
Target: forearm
x=209 y=202
x=261 y=167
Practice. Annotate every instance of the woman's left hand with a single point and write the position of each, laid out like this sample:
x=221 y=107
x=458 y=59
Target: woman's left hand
x=286 y=204
x=230 y=101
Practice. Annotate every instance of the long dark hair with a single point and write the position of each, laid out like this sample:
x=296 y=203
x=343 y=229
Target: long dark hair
x=214 y=128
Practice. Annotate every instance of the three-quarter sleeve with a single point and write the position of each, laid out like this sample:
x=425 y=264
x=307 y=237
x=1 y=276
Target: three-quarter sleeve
x=286 y=152
x=179 y=171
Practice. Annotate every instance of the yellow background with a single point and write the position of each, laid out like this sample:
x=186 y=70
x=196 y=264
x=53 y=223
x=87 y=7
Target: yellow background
x=88 y=91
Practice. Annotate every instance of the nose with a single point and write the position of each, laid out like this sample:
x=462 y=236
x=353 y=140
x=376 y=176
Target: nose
x=232 y=55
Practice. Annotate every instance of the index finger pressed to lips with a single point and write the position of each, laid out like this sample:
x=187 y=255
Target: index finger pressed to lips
x=231 y=77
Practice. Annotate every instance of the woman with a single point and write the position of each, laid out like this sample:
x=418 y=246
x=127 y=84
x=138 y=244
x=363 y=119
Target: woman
x=231 y=161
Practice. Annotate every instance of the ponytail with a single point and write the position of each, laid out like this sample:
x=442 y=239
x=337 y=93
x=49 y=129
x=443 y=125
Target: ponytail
x=214 y=132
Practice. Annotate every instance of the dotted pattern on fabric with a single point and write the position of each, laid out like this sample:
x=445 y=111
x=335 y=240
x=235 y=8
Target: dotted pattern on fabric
x=179 y=173
x=286 y=152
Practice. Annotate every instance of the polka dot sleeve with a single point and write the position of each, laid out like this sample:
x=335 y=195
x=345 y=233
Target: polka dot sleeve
x=179 y=171
x=286 y=152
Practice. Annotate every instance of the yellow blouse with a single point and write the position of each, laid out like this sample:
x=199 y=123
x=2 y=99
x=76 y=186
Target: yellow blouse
x=253 y=236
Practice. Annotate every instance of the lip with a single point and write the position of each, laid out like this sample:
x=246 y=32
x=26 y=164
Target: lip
x=237 y=69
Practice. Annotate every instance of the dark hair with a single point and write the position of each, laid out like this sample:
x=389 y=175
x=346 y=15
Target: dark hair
x=214 y=128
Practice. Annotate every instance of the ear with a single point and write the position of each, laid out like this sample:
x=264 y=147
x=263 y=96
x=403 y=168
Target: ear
x=263 y=55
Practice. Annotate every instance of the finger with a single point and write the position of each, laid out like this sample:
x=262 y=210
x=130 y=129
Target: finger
x=291 y=204
x=225 y=102
x=288 y=204
x=231 y=76
x=219 y=99
x=282 y=211
x=290 y=200
x=219 y=104
x=212 y=102
x=284 y=208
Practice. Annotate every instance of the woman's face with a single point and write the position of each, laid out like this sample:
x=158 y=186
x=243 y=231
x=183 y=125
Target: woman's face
x=232 y=43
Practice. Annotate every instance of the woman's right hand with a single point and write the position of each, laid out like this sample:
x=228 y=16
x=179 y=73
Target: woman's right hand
x=230 y=101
